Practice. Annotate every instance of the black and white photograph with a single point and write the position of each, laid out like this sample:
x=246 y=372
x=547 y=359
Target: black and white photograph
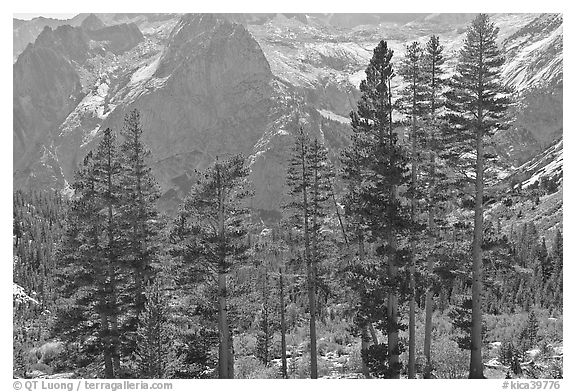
x=287 y=196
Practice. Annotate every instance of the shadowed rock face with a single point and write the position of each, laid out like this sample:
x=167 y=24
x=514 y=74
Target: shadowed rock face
x=46 y=89
x=92 y=22
x=26 y=31
x=119 y=38
x=215 y=100
x=212 y=96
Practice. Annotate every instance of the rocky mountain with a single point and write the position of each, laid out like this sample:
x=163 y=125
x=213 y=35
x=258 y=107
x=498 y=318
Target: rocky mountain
x=542 y=179
x=211 y=85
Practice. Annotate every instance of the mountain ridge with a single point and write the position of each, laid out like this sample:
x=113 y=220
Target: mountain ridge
x=209 y=86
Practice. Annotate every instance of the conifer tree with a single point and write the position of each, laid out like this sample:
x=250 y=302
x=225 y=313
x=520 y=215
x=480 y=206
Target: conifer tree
x=380 y=162
x=107 y=175
x=532 y=328
x=309 y=181
x=154 y=353
x=412 y=104
x=433 y=59
x=210 y=238
x=265 y=332
x=140 y=220
x=477 y=103
x=93 y=273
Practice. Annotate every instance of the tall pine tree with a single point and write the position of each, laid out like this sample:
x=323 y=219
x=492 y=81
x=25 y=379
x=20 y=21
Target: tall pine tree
x=309 y=181
x=210 y=238
x=412 y=104
x=94 y=274
x=433 y=62
x=477 y=104
x=140 y=220
x=380 y=162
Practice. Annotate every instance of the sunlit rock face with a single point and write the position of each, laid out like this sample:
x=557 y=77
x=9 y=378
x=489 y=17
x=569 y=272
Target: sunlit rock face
x=209 y=86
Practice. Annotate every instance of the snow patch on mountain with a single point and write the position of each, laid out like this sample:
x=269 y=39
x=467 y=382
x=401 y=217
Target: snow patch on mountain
x=93 y=105
x=333 y=116
x=144 y=73
x=548 y=164
x=519 y=70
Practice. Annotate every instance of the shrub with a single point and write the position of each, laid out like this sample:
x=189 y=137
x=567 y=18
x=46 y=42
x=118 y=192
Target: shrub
x=303 y=367
x=448 y=360
x=252 y=368
x=244 y=345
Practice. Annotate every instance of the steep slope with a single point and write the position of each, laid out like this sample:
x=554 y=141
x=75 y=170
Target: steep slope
x=214 y=97
x=26 y=31
x=46 y=88
x=92 y=22
x=535 y=70
x=49 y=83
x=535 y=194
x=208 y=86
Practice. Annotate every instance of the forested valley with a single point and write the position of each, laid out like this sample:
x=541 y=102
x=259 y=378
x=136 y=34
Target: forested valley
x=404 y=255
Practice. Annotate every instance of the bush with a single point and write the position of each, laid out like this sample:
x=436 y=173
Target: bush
x=355 y=360
x=303 y=367
x=245 y=345
x=249 y=367
x=448 y=360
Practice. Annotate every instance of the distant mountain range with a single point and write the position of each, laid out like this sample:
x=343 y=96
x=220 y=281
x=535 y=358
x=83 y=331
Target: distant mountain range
x=211 y=85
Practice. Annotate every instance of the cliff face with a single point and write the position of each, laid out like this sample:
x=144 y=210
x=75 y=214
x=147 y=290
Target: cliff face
x=48 y=86
x=207 y=92
x=46 y=89
x=214 y=99
x=118 y=38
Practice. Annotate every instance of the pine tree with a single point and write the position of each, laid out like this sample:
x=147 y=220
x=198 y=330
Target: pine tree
x=140 y=220
x=412 y=104
x=555 y=283
x=107 y=174
x=92 y=252
x=282 y=322
x=309 y=181
x=265 y=331
x=477 y=104
x=354 y=237
x=380 y=162
x=532 y=329
x=210 y=238
x=154 y=353
x=433 y=59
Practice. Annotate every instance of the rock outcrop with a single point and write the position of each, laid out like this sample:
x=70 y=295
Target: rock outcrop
x=92 y=22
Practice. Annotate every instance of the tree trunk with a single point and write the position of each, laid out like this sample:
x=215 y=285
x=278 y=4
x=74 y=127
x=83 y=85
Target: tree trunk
x=476 y=366
x=412 y=307
x=310 y=272
x=113 y=317
x=115 y=343
x=365 y=344
x=283 y=326
x=430 y=264
x=393 y=328
x=428 y=323
x=431 y=225
x=412 y=326
x=265 y=316
x=224 y=349
x=225 y=357
x=392 y=311
x=312 y=305
x=105 y=330
x=230 y=353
